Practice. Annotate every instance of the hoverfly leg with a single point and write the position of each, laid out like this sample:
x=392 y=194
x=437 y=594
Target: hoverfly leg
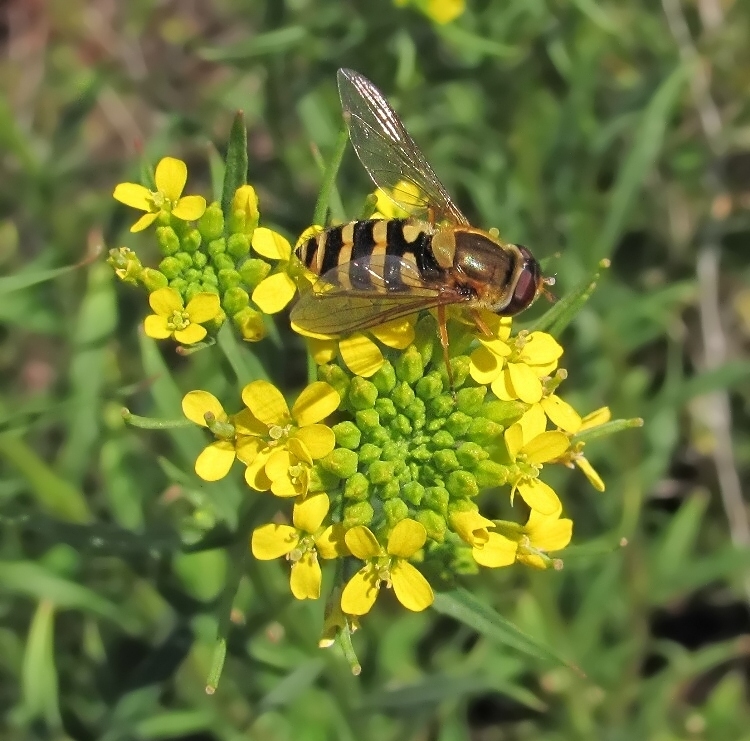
x=443 y=329
x=480 y=324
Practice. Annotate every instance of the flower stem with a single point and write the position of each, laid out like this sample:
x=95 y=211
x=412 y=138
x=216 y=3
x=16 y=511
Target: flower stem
x=151 y=423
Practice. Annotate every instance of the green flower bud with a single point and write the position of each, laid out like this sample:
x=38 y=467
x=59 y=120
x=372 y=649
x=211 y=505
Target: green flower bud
x=167 y=239
x=244 y=211
x=153 y=279
x=393 y=451
x=461 y=484
x=362 y=393
x=409 y=366
x=461 y=505
x=445 y=461
x=369 y=453
x=336 y=377
x=123 y=261
x=385 y=379
x=421 y=453
x=357 y=487
x=402 y=395
x=191 y=241
x=429 y=386
x=179 y=284
x=490 y=473
x=234 y=300
x=425 y=335
x=505 y=413
x=433 y=523
x=380 y=472
x=413 y=492
x=210 y=277
x=222 y=261
x=483 y=431
x=415 y=411
x=358 y=513
x=441 y=406
x=442 y=439
x=238 y=246
x=229 y=279
x=321 y=480
x=185 y=260
x=250 y=325
x=390 y=490
x=347 y=435
x=386 y=409
x=402 y=425
x=469 y=454
x=436 y=498
x=200 y=259
x=211 y=224
x=395 y=510
x=376 y=435
x=341 y=462
x=216 y=247
x=191 y=275
x=469 y=400
x=458 y=424
x=191 y=290
x=253 y=271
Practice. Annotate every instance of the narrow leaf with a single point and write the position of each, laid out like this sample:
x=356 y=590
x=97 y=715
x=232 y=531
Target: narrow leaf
x=329 y=178
x=271 y=42
x=235 y=174
x=40 y=686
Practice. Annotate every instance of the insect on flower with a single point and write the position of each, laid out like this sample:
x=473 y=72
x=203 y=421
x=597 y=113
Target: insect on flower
x=376 y=270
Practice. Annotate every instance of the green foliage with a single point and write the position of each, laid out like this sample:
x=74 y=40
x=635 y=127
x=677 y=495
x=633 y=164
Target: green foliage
x=572 y=127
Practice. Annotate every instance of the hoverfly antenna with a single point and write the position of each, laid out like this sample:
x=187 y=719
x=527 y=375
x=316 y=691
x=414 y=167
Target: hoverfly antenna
x=549 y=280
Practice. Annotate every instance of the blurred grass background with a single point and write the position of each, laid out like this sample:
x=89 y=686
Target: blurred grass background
x=583 y=129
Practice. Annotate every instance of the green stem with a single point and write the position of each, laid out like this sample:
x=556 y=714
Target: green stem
x=329 y=178
x=151 y=423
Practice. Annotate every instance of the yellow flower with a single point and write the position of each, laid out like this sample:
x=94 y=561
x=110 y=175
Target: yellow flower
x=126 y=264
x=170 y=177
x=540 y=535
x=361 y=355
x=561 y=414
x=574 y=455
x=232 y=434
x=529 y=446
x=334 y=620
x=273 y=293
x=280 y=458
x=444 y=11
x=173 y=318
x=514 y=367
x=405 y=192
x=488 y=548
x=390 y=566
x=245 y=206
x=302 y=544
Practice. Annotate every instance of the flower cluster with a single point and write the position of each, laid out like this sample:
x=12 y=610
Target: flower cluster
x=404 y=472
x=214 y=265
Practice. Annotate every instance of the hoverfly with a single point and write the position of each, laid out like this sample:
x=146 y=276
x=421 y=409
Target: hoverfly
x=373 y=271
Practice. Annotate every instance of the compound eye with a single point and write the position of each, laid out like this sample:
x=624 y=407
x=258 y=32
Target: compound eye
x=527 y=285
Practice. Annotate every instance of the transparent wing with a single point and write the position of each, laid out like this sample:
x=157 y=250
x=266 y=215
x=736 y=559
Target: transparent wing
x=364 y=293
x=390 y=155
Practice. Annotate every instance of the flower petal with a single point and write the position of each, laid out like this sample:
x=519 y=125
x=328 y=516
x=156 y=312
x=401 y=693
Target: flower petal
x=316 y=402
x=484 y=365
x=165 y=301
x=514 y=440
x=266 y=402
x=546 y=447
x=271 y=244
x=548 y=533
x=144 y=222
x=170 y=177
x=191 y=334
x=322 y=351
x=190 y=208
x=412 y=589
x=195 y=404
x=278 y=463
x=406 y=538
x=319 y=440
x=502 y=386
x=540 y=349
x=361 y=591
x=306 y=577
x=361 y=355
x=273 y=541
x=156 y=327
x=398 y=333
x=561 y=413
x=590 y=473
x=215 y=460
x=533 y=423
x=286 y=488
x=248 y=447
x=273 y=293
x=203 y=307
x=496 y=552
x=362 y=543
x=299 y=450
x=310 y=512
x=246 y=424
x=255 y=473
x=134 y=195
x=471 y=527
x=539 y=496
x=331 y=543
x=526 y=385
x=595 y=418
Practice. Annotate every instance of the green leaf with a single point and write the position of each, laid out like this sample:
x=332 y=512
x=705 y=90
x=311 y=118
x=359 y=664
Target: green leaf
x=724 y=377
x=235 y=174
x=329 y=178
x=271 y=42
x=608 y=428
x=466 y=608
x=565 y=310
x=26 y=279
x=39 y=675
x=640 y=159
x=174 y=724
x=245 y=364
x=288 y=689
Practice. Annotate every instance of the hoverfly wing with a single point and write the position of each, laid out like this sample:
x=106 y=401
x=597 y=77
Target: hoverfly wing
x=364 y=293
x=389 y=154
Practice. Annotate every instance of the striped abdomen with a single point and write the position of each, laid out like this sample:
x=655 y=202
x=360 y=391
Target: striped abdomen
x=369 y=242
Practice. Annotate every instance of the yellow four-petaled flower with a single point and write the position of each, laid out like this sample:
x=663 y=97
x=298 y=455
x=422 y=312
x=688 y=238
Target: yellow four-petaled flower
x=171 y=318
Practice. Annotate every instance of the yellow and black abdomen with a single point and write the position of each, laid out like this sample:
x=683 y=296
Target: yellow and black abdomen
x=367 y=246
